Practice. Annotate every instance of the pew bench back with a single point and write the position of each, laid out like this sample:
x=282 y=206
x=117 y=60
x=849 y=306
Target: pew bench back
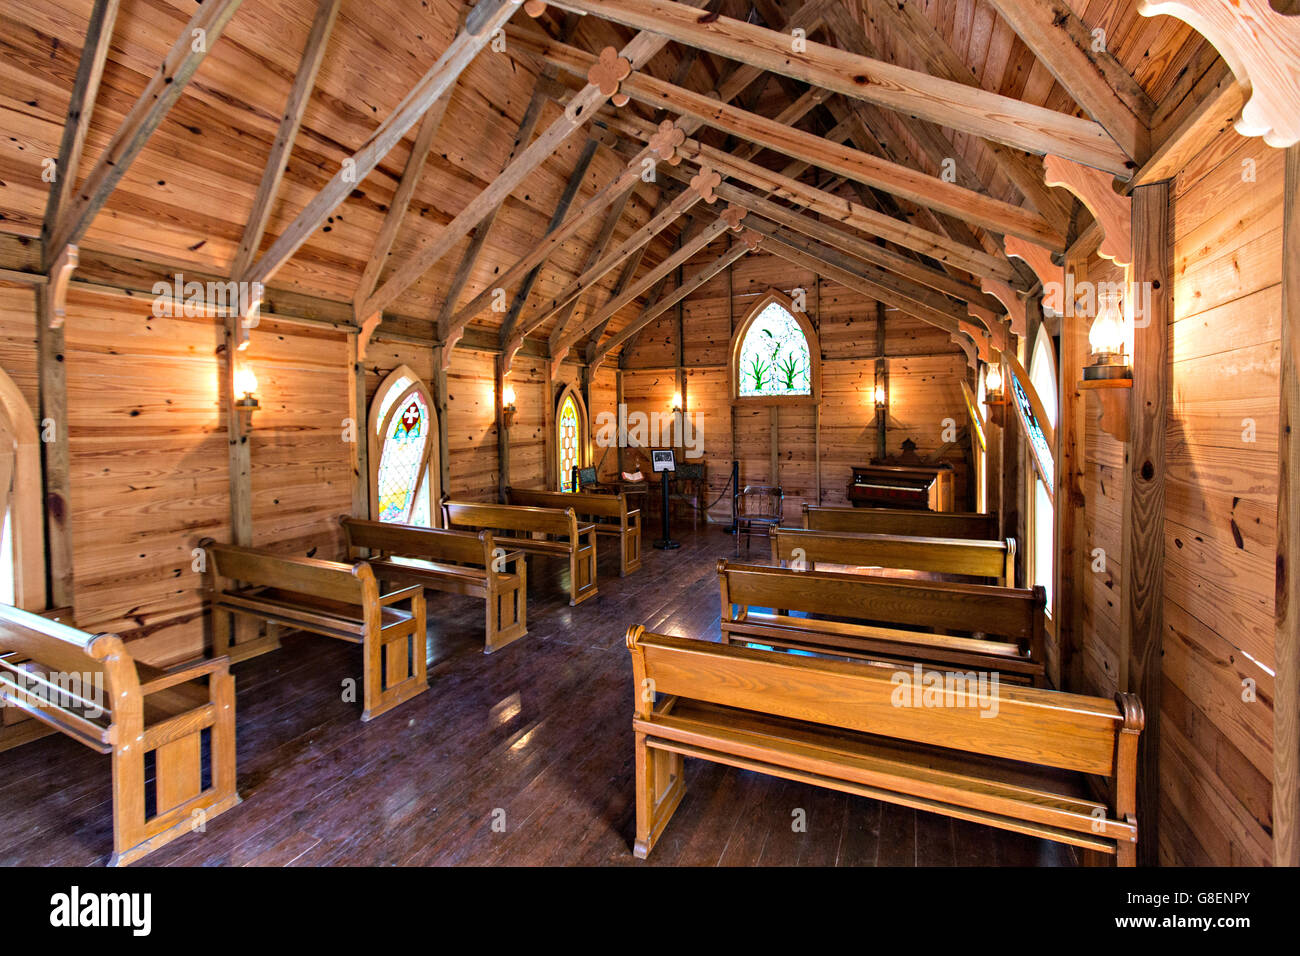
x=901 y=521
x=974 y=558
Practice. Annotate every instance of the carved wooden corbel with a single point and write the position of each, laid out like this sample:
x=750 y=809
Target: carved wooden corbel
x=1112 y=211
x=535 y=8
x=703 y=183
x=968 y=345
x=1049 y=273
x=60 y=275
x=1261 y=47
x=364 y=331
x=667 y=142
x=1008 y=297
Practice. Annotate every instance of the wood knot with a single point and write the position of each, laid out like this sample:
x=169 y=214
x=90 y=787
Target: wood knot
x=704 y=182
x=608 y=72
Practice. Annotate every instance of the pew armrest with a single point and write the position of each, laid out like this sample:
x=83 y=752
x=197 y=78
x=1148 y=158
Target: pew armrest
x=153 y=680
x=405 y=594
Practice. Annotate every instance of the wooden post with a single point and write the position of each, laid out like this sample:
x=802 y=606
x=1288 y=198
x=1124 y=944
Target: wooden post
x=618 y=416
x=1071 y=429
x=54 y=453
x=359 y=454
x=1286 y=688
x=817 y=409
x=550 y=453
x=503 y=429
x=443 y=401
x=1141 y=618
x=882 y=372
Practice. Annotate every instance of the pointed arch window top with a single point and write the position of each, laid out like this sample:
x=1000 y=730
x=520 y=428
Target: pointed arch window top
x=775 y=356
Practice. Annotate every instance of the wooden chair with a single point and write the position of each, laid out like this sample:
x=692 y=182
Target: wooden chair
x=329 y=598
x=759 y=509
x=608 y=513
x=548 y=531
x=455 y=562
x=88 y=687
x=880 y=618
x=993 y=560
x=854 y=726
x=902 y=521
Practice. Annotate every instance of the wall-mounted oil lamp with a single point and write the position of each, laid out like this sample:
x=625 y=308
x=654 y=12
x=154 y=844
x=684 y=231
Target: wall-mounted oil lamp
x=508 y=404
x=677 y=401
x=246 y=388
x=1110 y=369
x=996 y=399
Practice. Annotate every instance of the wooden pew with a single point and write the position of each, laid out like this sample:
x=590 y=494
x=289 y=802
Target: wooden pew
x=88 y=687
x=857 y=727
x=920 y=524
x=456 y=562
x=561 y=535
x=995 y=560
x=330 y=598
x=888 y=618
x=608 y=512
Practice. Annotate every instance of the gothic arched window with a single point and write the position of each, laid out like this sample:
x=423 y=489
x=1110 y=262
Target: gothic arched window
x=570 y=437
x=404 y=453
x=774 y=354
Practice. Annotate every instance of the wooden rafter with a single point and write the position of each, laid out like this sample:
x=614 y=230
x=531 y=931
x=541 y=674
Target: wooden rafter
x=650 y=313
x=899 y=180
x=955 y=105
x=580 y=108
x=90 y=70
x=161 y=93
x=486 y=17
x=313 y=54
x=1088 y=71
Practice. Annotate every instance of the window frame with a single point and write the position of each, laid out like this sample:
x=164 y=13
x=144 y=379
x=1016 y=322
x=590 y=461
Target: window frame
x=584 y=433
x=1043 y=347
x=814 y=354
x=27 y=528
x=430 y=470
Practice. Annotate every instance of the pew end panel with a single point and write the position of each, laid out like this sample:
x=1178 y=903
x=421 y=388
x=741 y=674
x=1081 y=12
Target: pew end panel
x=89 y=688
x=608 y=512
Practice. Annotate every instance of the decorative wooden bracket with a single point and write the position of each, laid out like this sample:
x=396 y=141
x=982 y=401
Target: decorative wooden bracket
x=1009 y=298
x=1112 y=211
x=1049 y=273
x=1114 y=395
x=449 y=344
x=249 y=317
x=608 y=72
x=968 y=345
x=751 y=238
x=703 y=183
x=535 y=8
x=1261 y=47
x=732 y=215
x=60 y=275
x=511 y=349
x=668 y=141
x=979 y=337
x=365 y=330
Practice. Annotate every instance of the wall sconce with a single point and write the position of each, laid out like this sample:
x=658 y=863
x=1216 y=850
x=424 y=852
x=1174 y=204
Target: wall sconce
x=677 y=401
x=246 y=386
x=1109 y=370
x=881 y=396
x=508 y=404
x=995 y=392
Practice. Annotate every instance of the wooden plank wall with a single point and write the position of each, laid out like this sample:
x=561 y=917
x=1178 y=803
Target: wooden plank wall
x=1216 y=760
x=923 y=384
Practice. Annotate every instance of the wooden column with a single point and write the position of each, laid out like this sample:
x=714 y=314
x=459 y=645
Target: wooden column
x=1071 y=431
x=1286 y=705
x=503 y=429
x=54 y=453
x=550 y=453
x=882 y=373
x=1142 y=562
x=359 y=453
x=817 y=409
x=443 y=401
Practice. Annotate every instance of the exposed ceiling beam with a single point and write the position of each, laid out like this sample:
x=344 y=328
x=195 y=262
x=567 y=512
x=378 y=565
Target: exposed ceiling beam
x=737 y=250
x=160 y=94
x=313 y=54
x=90 y=70
x=1088 y=71
x=941 y=248
x=637 y=52
x=955 y=105
x=854 y=164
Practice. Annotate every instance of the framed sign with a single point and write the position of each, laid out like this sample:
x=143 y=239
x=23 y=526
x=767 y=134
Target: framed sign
x=976 y=422
x=663 y=460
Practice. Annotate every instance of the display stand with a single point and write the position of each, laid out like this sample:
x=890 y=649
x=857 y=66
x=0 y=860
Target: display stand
x=665 y=463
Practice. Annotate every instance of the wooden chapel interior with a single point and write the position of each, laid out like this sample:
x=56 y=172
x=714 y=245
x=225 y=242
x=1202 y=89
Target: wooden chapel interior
x=500 y=207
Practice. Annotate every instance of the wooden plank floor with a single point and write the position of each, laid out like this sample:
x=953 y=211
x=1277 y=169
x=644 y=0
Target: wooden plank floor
x=522 y=757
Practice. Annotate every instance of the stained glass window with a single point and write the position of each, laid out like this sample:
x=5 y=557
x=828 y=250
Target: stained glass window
x=569 y=431
x=774 y=356
x=402 y=478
